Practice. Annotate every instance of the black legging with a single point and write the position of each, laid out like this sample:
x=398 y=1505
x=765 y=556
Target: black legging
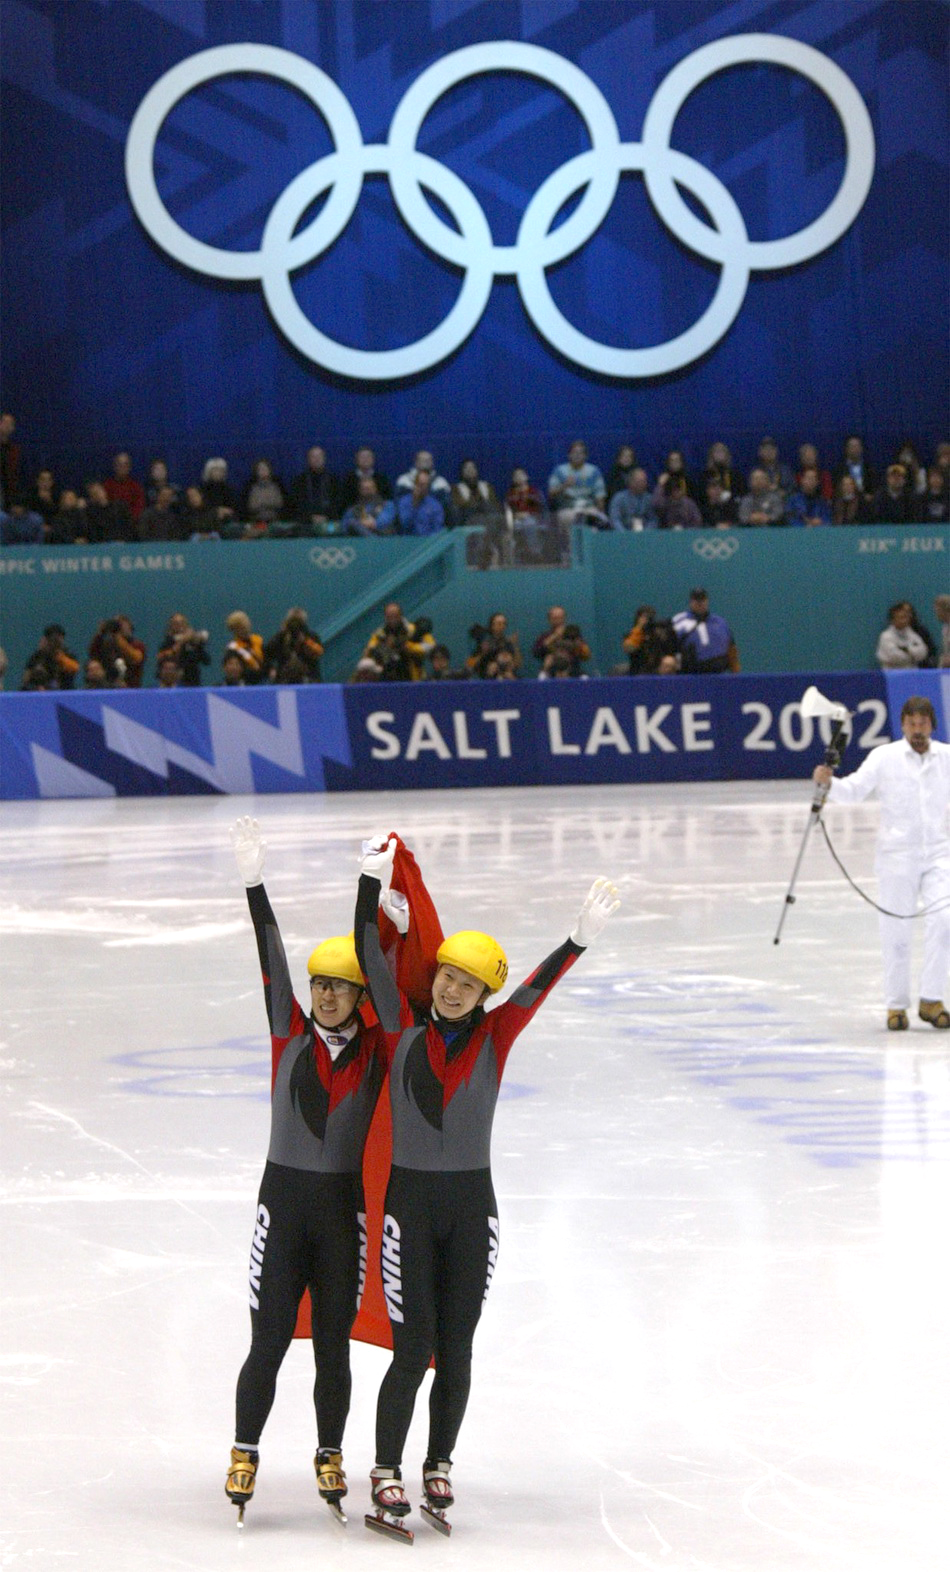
x=447 y=1243
x=313 y=1240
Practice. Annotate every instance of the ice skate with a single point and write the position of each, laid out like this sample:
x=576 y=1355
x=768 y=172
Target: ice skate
x=936 y=1012
x=897 y=1020
x=239 y=1485
x=437 y=1487
x=391 y=1505
x=331 y=1480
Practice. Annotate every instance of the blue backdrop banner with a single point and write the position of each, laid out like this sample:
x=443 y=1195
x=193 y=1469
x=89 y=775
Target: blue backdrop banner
x=405 y=736
x=487 y=228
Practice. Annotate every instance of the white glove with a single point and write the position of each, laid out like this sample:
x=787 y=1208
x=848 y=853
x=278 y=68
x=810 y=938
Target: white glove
x=248 y=850
x=377 y=860
x=602 y=901
x=396 y=907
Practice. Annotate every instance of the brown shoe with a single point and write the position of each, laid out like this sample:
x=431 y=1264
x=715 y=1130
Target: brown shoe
x=897 y=1020
x=936 y=1012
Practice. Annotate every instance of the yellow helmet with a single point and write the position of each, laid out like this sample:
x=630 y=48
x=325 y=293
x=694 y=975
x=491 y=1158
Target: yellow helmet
x=336 y=958
x=477 y=953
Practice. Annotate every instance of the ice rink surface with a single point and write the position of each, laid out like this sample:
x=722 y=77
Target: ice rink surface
x=717 y=1337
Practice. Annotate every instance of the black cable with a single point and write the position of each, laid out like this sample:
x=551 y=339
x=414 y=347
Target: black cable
x=925 y=911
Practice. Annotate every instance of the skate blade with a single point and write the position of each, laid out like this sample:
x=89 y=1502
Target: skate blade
x=437 y=1518
x=390 y=1527
x=240 y=1516
x=338 y=1512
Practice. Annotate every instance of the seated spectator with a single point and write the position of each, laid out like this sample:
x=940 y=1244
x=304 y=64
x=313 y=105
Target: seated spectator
x=475 y=501
x=762 y=504
x=492 y=641
x=440 y=666
x=264 y=499
x=247 y=644
x=158 y=481
x=187 y=647
x=197 y=519
x=719 y=464
x=675 y=469
x=314 y=495
x=706 y=644
x=806 y=505
x=849 y=506
x=19 y=526
x=68 y=525
x=161 y=520
x=808 y=459
x=853 y=464
x=94 y=676
x=44 y=499
x=899 y=646
x=218 y=494
x=293 y=654
x=121 y=486
x=669 y=666
x=916 y=474
x=934 y=506
x=501 y=668
x=3 y=667
x=169 y=672
x=371 y=514
x=53 y=666
x=562 y=639
x=620 y=471
x=894 y=502
x=424 y=464
x=942 y=613
x=119 y=652
x=557 y=665
x=529 y=519
x=364 y=462
x=941 y=461
x=779 y=475
x=417 y=511
x=718 y=511
x=367 y=670
x=675 y=508
x=9 y=460
x=650 y=641
x=633 y=508
x=577 y=494
x=400 y=647
x=106 y=520
x=234 y=670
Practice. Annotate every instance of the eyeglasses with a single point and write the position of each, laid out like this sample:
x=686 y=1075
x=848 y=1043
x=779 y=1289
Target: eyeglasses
x=335 y=984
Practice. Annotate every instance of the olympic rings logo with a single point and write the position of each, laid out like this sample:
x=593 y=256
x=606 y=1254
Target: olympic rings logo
x=716 y=548
x=325 y=557
x=470 y=246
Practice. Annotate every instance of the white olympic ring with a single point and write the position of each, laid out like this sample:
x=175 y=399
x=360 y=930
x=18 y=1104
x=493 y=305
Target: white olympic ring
x=716 y=549
x=470 y=246
x=332 y=556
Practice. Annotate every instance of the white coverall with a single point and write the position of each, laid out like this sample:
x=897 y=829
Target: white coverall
x=913 y=857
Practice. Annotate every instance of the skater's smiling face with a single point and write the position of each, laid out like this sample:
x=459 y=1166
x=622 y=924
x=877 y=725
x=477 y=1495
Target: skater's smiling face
x=333 y=1000
x=455 y=993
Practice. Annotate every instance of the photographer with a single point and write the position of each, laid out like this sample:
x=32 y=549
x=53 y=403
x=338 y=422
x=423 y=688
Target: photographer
x=120 y=653
x=293 y=654
x=649 y=640
x=400 y=647
x=187 y=647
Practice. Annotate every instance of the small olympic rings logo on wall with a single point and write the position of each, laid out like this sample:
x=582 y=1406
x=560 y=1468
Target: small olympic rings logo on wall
x=716 y=548
x=470 y=246
x=326 y=557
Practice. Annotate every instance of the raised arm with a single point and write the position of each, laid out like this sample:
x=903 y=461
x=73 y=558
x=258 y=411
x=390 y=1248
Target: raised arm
x=376 y=869
x=283 y=1013
x=512 y=1017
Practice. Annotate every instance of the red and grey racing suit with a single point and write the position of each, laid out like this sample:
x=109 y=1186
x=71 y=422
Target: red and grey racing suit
x=310 y=1225
x=440 y=1232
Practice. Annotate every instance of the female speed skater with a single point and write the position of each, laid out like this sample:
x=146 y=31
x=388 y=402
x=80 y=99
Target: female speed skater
x=440 y=1231
x=328 y=1067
